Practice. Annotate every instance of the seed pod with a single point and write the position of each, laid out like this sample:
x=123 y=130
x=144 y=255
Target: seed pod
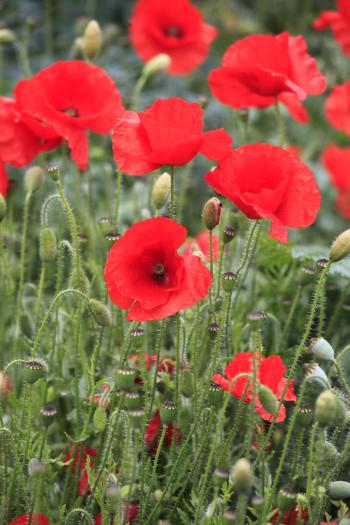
x=215 y=394
x=132 y=399
x=220 y=476
x=33 y=178
x=268 y=400
x=228 y=234
x=156 y=65
x=167 y=412
x=321 y=349
x=229 y=517
x=48 y=413
x=34 y=369
x=136 y=416
x=211 y=213
x=241 y=475
x=47 y=245
x=340 y=247
x=325 y=408
x=339 y=490
x=186 y=383
x=3 y=207
x=228 y=281
x=92 y=39
x=137 y=337
x=285 y=499
x=213 y=329
x=307 y=275
x=160 y=190
x=125 y=378
x=7 y=36
x=257 y=502
x=305 y=417
x=54 y=173
x=100 y=313
x=256 y=318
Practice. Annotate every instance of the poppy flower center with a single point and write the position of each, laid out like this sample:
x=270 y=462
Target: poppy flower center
x=72 y=112
x=173 y=31
x=159 y=273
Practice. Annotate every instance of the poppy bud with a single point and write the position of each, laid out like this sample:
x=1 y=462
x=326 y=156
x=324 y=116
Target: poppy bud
x=3 y=207
x=215 y=394
x=305 y=417
x=330 y=453
x=47 y=245
x=100 y=419
x=285 y=499
x=228 y=281
x=34 y=369
x=48 y=413
x=325 y=408
x=186 y=383
x=7 y=36
x=340 y=247
x=156 y=65
x=167 y=412
x=339 y=490
x=125 y=377
x=36 y=468
x=78 y=280
x=100 y=313
x=92 y=39
x=228 y=234
x=213 y=330
x=241 y=475
x=268 y=399
x=315 y=373
x=340 y=413
x=33 y=178
x=321 y=349
x=136 y=416
x=211 y=213
x=229 y=517
x=160 y=190
x=54 y=173
x=158 y=494
x=256 y=318
x=132 y=399
x=137 y=337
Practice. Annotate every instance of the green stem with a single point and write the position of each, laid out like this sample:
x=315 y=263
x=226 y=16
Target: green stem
x=117 y=197
x=72 y=226
x=221 y=259
x=172 y=194
x=155 y=464
x=284 y=337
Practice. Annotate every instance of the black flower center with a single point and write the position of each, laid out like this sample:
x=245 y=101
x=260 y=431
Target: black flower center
x=173 y=31
x=159 y=273
x=72 y=112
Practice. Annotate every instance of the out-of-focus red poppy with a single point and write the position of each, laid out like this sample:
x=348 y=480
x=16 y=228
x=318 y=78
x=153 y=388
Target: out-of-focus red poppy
x=83 y=486
x=259 y=70
x=4 y=182
x=291 y=517
x=102 y=399
x=169 y=132
x=153 y=431
x=285 y=190
x=338 y=22
x=145 y=275
x=269 y=372
x=175 y=28
x=166 y=363
x=201 y=242
x=67 y=100
x=133 y=511
x=337 y=162
x=338 y=107
x=5 y=385
x=37 y=519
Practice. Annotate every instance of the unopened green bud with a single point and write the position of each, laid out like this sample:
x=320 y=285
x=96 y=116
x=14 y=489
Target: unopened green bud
x=79 y=281
x=156 y=65
x=125 y=378
x=340 y=413
x=160 y=190
x=321 y=349
x=33 y=178
x=158 y=494
x=47 y=245
x=325 y=408
x=211 y=213
x=241 y=475
x=339 y=490
x=285 y=499
x=34 y=369
x=344 y=521
x=302 y=501
x=7 y=36
x=268 y=399
x=92 y=39
x=100 y=313
x=167 y=412
x=186 y=383
x=228 y=281
x=340 y=247
x=3 y=207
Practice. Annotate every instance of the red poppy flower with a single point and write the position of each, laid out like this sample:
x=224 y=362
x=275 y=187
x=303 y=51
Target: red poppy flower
x=145 y=275
x=338 y=107
x=153 y=430
x=87 y=452
x=166 y=363
x=291 y=516
x=37 y=519
x=337 y=162
x=169 y=132
x=338 y=22
x=201 y=242
x=5 y=385
x=285 y=190
x=68 y=99
x=102 y=399
x=133 y=511
x=269 y=372
x=259 y=70
x=4 y=182
x=175 y=28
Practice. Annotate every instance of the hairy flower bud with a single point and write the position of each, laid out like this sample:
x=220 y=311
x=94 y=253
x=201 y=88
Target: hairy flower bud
x=339 y=490
x=33 y=178
x=268 y=399
x=3 y=207
x=340 y=247
x=321 y=349
x=211 y=213
x=92 y=39
x=325 y=408
x=100 y=313
x=156 y=65
x=241 y=475
x=47 y=245
x=160 y=190
x=7 y=36
x=79 y=281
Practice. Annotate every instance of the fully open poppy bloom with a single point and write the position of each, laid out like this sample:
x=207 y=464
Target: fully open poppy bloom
x=338 y=22
x=201 y=242
x=169 y=132
x=175 y=28
x=153 y=431
x=68 y=99
x=338 y=107
x=37 y=519
x=268 y=182
x=259 y=70
x=87 y=453
x=4 y=182
x=269 y=372
x=337 y=162
x=145 y=275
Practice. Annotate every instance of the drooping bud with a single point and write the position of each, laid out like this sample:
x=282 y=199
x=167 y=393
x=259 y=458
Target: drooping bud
x=92 y=39
x=339 y=490
x=268 y=399
x=167 y=412
x=156 y=65
x=33 y=178
x=228 y=280
x=3 y=207
x=325 y=408
x=241 y=475
x=47 y=245
x=34 y=369
x=211 y=213
x=285 y=499
x=160 y=190
x=125 y=378
x=137 y=337
x=340 y=247
x=100 y=313
x=321 y=349
x=228 y=234
x=7 y=36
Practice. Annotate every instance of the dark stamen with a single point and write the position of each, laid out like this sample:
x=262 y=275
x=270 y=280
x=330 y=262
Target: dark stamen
x=173 y=31
x=159 y=272
x=72 y=112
